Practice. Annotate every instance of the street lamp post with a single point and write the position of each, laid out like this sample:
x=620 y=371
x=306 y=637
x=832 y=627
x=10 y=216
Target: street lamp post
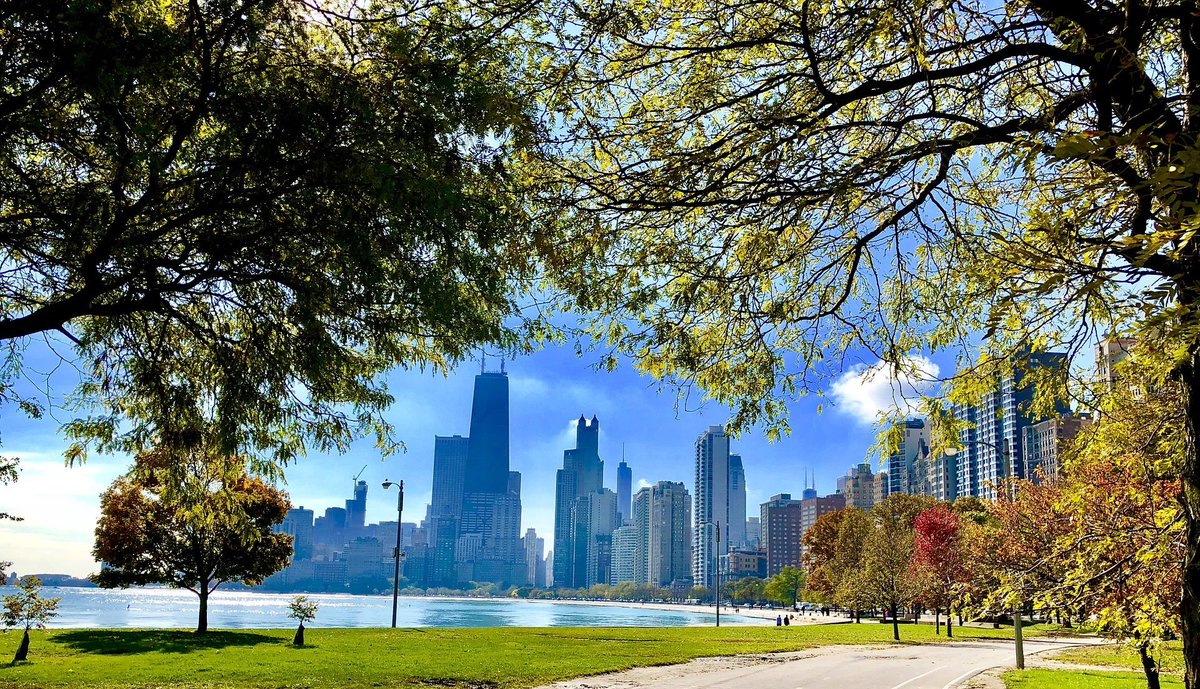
x=396 y=553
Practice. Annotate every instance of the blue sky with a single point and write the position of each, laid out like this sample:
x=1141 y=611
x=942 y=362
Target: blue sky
x=549 y=390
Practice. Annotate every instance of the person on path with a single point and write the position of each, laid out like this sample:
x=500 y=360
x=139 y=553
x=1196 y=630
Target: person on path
x=779 y=620
x=787 y=620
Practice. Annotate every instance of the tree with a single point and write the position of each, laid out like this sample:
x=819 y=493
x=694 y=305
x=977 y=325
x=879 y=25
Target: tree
x=748 y=590
x=785 y=587
x=28 y=609
x=939 y=559
x=886 y=577
x=212 y=527
x=841 y=578
x=820 y=550
x=1123 y=551
x=761 y=188
x=301 y=609
x=235 y=215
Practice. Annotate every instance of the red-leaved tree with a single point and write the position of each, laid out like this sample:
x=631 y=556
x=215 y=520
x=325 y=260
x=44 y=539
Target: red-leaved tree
x=939 y=560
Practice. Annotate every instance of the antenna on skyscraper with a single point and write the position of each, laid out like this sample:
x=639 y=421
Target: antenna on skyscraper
x=502 y=364
x=483 y=363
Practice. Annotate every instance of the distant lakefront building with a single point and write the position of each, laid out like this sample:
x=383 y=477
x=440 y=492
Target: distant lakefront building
x=624 y=490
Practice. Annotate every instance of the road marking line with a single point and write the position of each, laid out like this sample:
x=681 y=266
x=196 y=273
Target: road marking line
x=963 y=677
x=910 y=681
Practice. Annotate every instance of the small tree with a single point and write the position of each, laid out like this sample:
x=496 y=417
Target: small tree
x=302 y=609
x=28 y=609
x=193 y=522
x=786 y=586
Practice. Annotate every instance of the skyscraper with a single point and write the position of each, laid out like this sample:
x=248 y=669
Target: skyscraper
x=356 y=510
x=488 y=546
x=582 y=474
x=712 y=504
x=992 y=449
x=624 y=490
x=903 y=476
x=445 y=509
x=669 y=543
x=534 y=562
x=594 y=518
x=780 y=518
x=625 y=545
x=298 y=523
x=737 y=503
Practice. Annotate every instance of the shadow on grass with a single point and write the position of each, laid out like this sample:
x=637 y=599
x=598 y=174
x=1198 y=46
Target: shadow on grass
x=117 y=642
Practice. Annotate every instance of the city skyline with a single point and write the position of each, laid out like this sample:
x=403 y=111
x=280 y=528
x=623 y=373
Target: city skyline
x=550 y=389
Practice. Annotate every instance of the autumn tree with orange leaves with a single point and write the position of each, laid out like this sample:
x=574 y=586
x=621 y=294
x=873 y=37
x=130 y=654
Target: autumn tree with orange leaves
x=192 y=522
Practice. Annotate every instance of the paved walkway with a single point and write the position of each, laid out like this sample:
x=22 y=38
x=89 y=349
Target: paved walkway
x=929 y=666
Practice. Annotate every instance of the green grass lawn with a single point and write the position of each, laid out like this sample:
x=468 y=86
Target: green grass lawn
x=352 y=658
x=1170 y=657
x=1080 y=679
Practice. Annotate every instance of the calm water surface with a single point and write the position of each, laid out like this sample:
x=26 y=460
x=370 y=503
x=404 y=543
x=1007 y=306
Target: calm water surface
x=170 y=608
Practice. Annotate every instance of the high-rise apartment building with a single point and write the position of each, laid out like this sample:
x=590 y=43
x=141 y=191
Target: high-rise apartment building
x=813 y=509
x=669 y=544
x=780 y=518
x=356 y=510
x=534 y=561
x=594 y=518
x=640 y=521
x=582 y=474
x=992 y=447
x=1043 y=442
x=298 y=523
x=625 y=545
x=445 y=507
x=720 y=499
x=737 y=503
x=902 y=470
x=753 y=532
x=859 y=487
x=624 y=490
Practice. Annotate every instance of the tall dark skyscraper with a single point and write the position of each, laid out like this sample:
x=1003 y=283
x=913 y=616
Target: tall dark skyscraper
x=582 y=474
x=356 y=510
x=488 y=547
x=624 y=490
x=445 y=509
x=487 y=451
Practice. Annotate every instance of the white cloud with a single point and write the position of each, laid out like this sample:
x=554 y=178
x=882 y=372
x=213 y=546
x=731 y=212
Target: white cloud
x=865 y=392
x=59 y=506
x=643 y=483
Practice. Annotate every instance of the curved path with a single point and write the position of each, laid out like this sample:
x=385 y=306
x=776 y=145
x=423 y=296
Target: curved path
x=926 y=666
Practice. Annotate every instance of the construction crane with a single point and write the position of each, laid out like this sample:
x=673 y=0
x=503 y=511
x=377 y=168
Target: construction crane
x=354 y=481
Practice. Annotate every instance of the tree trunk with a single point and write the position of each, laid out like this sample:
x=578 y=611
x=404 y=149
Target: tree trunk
x=202 y=623
x=298 y=640
x=895 y=624
x=937 y=621
x=23 y=649
x=1149 y=666
x=1190 y=497
x=949 y=630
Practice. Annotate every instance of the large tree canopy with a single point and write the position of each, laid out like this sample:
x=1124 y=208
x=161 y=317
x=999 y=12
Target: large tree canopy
x=759 y=189
x=240 y=212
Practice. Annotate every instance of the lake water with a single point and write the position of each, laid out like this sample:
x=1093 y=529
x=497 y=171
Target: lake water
x=173 y=608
